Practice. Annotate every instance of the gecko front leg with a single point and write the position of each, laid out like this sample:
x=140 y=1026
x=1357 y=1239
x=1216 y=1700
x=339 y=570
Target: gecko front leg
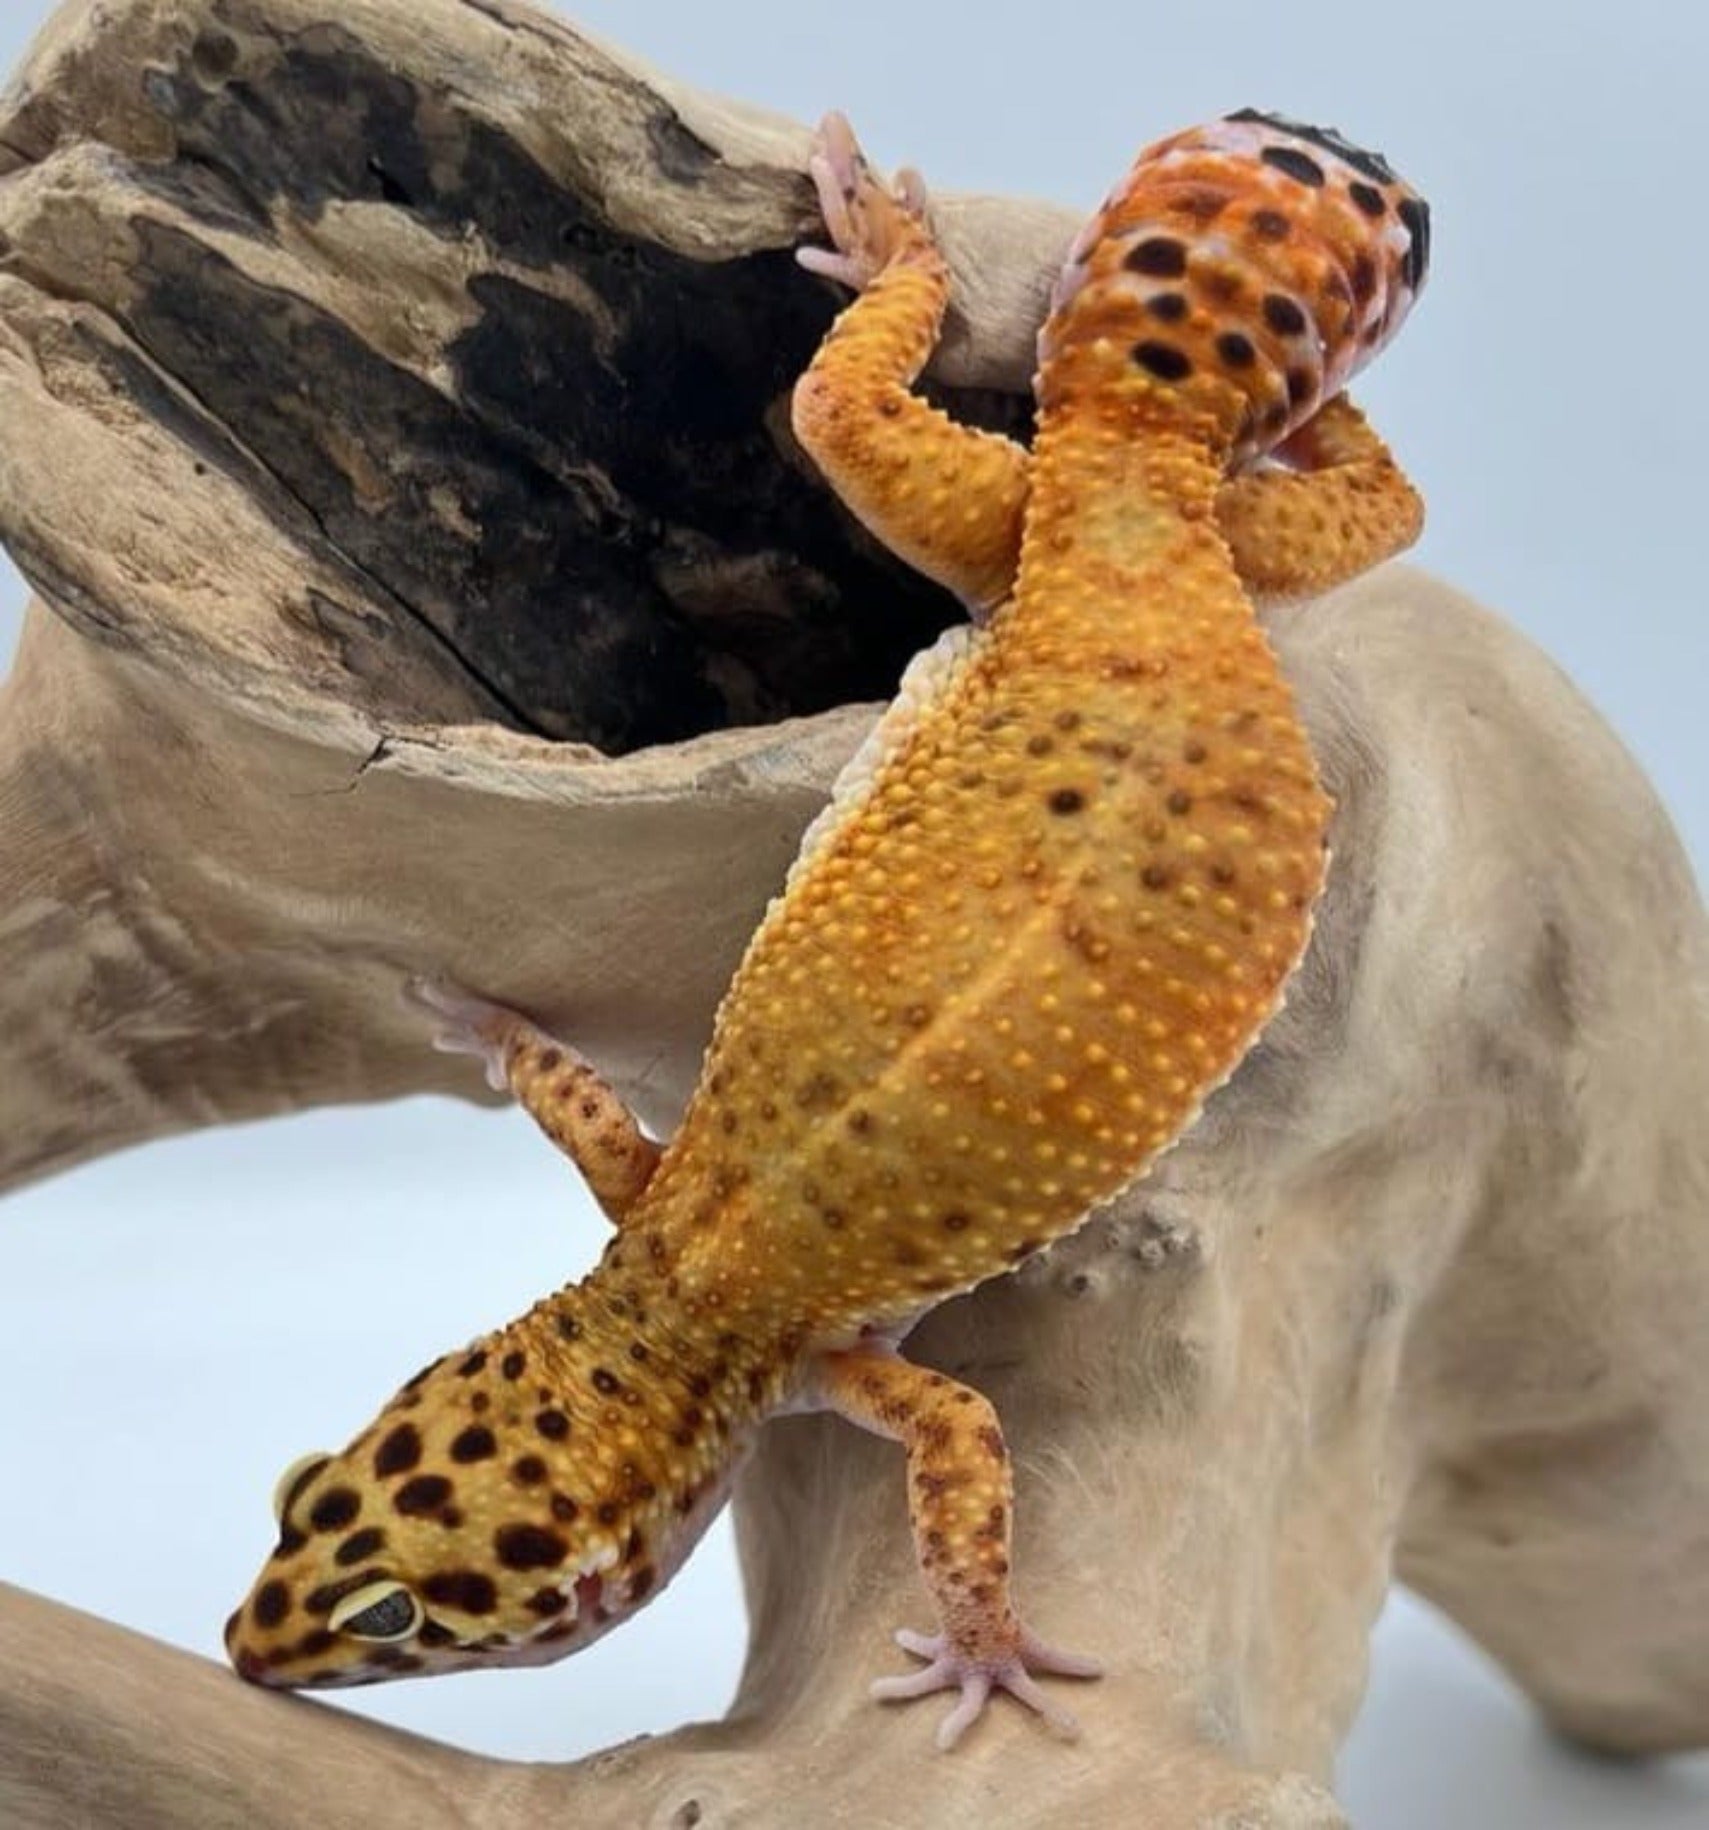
x=557 y=1087
x=947 y=498
x=960 y=1499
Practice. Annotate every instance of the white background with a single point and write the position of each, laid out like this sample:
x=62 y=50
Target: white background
x=177 y=1323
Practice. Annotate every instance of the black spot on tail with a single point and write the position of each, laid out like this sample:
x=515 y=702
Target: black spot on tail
x=1283 y=315
x=1160 y=256
x=1163 y=360
x=1372 y=165
x=1298 y=165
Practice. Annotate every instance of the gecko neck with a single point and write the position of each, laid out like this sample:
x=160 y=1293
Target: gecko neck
x=642 y=1333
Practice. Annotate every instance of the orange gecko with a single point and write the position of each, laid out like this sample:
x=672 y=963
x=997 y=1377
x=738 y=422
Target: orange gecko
x=1052 y=903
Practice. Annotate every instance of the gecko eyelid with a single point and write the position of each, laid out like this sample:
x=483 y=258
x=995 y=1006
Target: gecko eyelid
x=378 y=1610
x=294 y=1479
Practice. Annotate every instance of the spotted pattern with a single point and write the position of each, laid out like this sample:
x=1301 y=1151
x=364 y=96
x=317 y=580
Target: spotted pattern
x=1317 y=254
x=399 y=1451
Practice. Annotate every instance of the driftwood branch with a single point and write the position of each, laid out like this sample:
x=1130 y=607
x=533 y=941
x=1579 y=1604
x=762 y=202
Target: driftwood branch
x=427 y=582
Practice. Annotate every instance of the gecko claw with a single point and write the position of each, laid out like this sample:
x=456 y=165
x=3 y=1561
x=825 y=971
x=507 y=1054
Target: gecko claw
x=468 y=1025
x=870 y=224
x=948 y=1669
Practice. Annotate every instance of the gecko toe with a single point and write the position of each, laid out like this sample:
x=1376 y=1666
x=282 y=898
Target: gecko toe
x=977 y=1678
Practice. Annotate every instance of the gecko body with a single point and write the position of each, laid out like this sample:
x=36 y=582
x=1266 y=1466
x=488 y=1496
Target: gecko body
x=1050 y=907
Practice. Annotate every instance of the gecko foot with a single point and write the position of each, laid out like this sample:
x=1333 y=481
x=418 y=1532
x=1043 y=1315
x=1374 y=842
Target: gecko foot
x=948 y=1669
x=468 y=1025
x=870 y=224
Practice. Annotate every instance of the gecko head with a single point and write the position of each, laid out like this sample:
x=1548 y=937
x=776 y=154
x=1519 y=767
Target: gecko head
x=1247 y=269
x=506 y=1508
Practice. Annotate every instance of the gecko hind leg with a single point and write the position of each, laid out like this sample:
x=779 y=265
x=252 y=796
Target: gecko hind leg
x=960 y=1499
x=558 y=1088
x=947 y=498
x=1343 y=507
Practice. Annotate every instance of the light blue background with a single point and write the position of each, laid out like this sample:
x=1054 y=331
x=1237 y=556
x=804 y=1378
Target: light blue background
x=179 y=1322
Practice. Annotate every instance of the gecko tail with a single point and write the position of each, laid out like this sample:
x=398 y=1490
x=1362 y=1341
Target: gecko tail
x=1271 y=257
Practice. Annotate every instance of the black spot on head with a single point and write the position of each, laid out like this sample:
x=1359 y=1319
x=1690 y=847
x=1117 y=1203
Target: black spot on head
x=335 y=1509
x=1367 y=198
x=1270 y=225
x=606 y=1382
x=290 y=1542
x=476 y=1443
x=399 y=1452
x=272 y=1603
x=312 y=1645
x=1235 y=348
x=1283 y=315
x=529 y=1547
x=1066 y=800
x=513 y=1363
x=1167 y=307
x=1163 y=360
x=1415 y=213
x=552 y=1424
x=547 y=1602
x=1301 y=167
x=568 y=1327
x=464 y=1589
x=564 y=1509
x=360 y=1546
x=529 y=1469
x=424 y=1493
x=476 y=1362
x=1159 y=256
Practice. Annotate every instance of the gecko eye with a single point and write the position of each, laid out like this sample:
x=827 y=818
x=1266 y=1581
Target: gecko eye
x=377 y=1610
x=294 y=1479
